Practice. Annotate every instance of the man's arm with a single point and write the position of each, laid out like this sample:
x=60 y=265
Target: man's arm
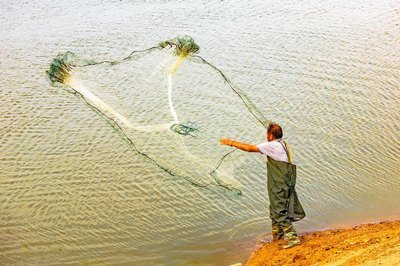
x=239 y=145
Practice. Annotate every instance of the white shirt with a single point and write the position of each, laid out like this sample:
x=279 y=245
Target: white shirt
x=273 y=149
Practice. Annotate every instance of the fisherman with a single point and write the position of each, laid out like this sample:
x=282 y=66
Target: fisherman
x=285 y=207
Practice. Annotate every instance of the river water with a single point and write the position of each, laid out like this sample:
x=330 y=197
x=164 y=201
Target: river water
x=74 y=192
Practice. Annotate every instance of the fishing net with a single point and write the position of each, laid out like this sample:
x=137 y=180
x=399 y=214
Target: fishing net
x=170 y=113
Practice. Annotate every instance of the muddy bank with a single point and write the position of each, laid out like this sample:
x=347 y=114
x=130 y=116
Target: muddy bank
x=367 y=244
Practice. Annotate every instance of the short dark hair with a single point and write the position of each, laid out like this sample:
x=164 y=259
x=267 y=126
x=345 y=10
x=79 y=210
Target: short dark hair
x=275 y=130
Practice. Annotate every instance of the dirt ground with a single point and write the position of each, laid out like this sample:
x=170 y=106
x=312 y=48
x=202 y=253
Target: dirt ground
x=368 y=244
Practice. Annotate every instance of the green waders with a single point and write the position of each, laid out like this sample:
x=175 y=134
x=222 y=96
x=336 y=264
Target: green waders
x=284 y=206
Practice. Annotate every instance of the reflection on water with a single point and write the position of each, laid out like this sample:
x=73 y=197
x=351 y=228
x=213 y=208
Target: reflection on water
x=73 y=192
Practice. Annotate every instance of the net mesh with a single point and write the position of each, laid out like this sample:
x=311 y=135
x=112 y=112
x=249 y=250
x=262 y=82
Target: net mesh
x=172 y=118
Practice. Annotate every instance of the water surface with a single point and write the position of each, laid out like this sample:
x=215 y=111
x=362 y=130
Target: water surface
x=72 y=191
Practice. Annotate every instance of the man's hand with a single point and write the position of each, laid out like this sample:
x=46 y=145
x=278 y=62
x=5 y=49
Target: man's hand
x=239 y=145
x=225 y=141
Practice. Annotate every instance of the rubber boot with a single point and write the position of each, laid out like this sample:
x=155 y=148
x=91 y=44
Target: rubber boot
x=277 y=232
x=291 y=235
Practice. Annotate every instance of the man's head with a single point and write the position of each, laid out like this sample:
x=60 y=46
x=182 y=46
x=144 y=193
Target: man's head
x=274 y=131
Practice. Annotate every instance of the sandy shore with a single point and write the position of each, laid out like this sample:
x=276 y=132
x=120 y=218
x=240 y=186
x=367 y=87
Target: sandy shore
x=368 y=244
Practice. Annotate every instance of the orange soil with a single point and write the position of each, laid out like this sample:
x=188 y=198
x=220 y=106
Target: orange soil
x=369 y=244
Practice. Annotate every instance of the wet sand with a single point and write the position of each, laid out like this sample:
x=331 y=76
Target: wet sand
x=367 y=244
